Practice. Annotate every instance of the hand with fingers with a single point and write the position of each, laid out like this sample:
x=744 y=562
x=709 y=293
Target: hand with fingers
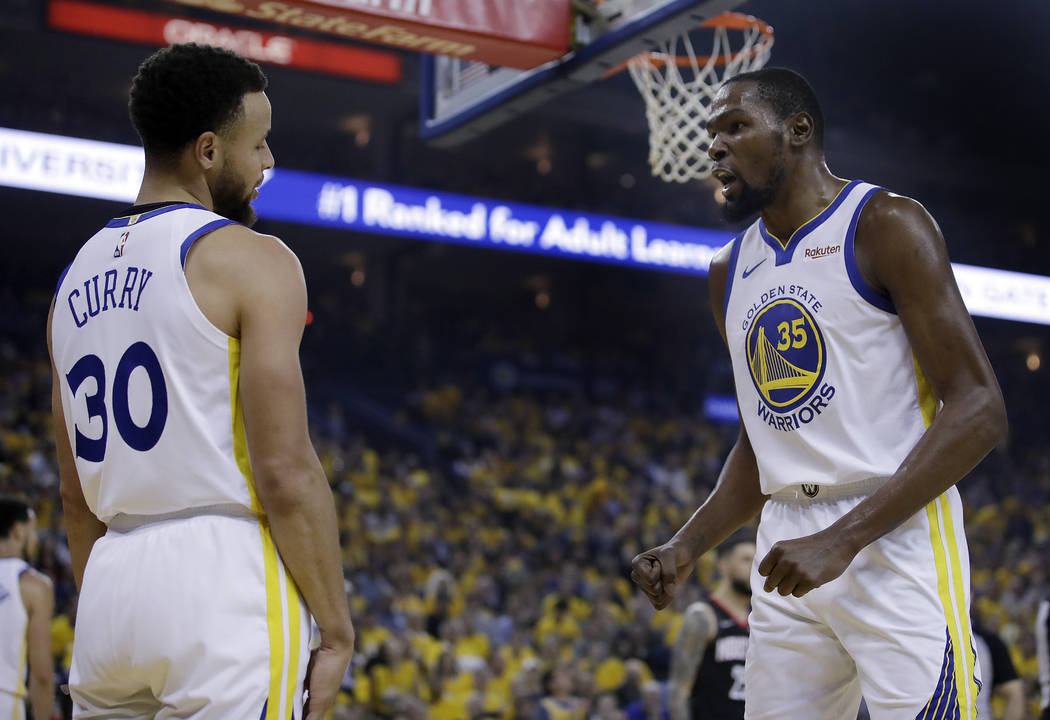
x=794 y=567
x=324 y=675
x=658 y=571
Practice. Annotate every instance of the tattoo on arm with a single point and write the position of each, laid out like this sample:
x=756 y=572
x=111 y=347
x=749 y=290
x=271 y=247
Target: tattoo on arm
x=698 y=627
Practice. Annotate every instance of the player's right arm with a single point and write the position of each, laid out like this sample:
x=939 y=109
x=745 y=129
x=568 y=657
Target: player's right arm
x=82 y=527
x=698 y=628
x=263 y=283
x=737 y=496
x=38 y=594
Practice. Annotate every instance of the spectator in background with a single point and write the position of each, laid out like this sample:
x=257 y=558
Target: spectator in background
x=652 y=705
x=559 y=703
x=27 y=601
x=998 y=674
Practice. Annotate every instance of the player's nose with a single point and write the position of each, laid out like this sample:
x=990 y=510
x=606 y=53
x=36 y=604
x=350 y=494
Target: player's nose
x=717 y=150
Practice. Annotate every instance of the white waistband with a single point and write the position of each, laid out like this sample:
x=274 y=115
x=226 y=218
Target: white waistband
x=124 y=523
x=806 y=492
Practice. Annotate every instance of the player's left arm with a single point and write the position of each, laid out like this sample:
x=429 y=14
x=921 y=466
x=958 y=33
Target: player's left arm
x=38 y=595
x=900 y=252
x=82 y=527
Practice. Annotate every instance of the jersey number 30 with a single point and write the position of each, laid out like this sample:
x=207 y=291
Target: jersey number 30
x=141 y=438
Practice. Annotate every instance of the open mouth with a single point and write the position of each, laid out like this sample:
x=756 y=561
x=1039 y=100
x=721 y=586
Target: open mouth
x=727 y=178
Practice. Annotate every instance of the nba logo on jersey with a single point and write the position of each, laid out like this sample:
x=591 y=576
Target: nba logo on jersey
x=119 y=250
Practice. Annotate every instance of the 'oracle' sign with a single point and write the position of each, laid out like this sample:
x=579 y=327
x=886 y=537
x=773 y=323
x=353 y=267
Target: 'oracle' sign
x=520 y=34
x=157 y=29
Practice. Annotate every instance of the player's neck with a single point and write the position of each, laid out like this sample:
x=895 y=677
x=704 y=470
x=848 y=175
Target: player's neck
x=161 y=185
x=736 y=603
x=10 y=549
x=805 y=193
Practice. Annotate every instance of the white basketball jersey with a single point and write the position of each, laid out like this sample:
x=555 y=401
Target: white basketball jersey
x=13 y=623
x=828 y=387
x=148 y=384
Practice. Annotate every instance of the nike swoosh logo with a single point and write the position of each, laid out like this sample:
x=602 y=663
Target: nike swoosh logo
x=748 y=271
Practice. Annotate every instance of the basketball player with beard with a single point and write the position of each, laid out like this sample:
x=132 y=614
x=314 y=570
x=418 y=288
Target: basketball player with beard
x=707 y=663
x=865 y=396
x=201 y=526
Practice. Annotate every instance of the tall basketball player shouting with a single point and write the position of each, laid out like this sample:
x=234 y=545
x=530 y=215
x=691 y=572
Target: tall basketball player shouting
x=865 y=395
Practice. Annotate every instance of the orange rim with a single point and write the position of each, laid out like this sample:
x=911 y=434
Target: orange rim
x=730 y=20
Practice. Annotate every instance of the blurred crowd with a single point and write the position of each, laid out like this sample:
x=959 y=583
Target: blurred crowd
x=487 y=563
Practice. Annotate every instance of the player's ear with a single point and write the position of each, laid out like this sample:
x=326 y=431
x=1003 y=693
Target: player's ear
x=206 y=150
x=800 y=129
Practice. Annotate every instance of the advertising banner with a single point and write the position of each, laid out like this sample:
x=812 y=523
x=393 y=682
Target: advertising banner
x=520 y=34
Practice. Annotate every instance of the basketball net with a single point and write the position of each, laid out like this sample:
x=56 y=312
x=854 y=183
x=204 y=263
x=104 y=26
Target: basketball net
x=678 y=87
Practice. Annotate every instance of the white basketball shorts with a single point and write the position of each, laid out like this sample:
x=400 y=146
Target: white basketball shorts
x=189 y=618
x=895 y=626
x=12 y=707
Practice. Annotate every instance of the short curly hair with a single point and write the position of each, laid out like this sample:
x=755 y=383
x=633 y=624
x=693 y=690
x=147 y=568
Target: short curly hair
x=12 y=511
x=787 y=93
x=187 y=89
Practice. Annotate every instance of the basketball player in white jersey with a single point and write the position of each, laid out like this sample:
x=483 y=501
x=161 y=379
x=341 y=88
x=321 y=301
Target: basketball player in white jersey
x=27 y=601
x=201 y=525
x=865 y=395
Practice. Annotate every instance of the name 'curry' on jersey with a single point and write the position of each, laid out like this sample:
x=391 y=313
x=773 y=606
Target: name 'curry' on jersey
x=828 y=387
x=144 y=375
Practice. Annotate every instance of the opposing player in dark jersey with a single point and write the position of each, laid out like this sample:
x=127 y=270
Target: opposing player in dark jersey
x=707 y=666
x=999 y=676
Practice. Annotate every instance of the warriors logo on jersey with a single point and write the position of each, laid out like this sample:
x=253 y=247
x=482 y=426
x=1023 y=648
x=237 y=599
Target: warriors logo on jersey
x=787 y=357
x=786 y=354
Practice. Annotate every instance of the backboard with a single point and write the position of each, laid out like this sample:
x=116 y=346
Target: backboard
x=460 y=99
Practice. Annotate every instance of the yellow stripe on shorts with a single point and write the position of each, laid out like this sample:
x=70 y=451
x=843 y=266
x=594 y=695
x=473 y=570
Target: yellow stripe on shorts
x=949 y=570
x=966 y=648
x=274 y=624
x=292 y=593
x=949 y=579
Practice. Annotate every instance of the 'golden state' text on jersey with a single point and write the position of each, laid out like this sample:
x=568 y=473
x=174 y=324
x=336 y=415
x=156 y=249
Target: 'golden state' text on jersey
x=148 y=384
x=828 y=388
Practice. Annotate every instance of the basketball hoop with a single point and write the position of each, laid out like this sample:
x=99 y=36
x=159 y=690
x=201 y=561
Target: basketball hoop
x=678 y=86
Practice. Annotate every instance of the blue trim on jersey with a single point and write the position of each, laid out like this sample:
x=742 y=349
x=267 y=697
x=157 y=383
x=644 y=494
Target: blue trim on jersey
x=62 y=277
x=126 y=220
x=733 y=255
x=873 y=296
x=265 y=703
x=783 y=254
x=188 y=242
